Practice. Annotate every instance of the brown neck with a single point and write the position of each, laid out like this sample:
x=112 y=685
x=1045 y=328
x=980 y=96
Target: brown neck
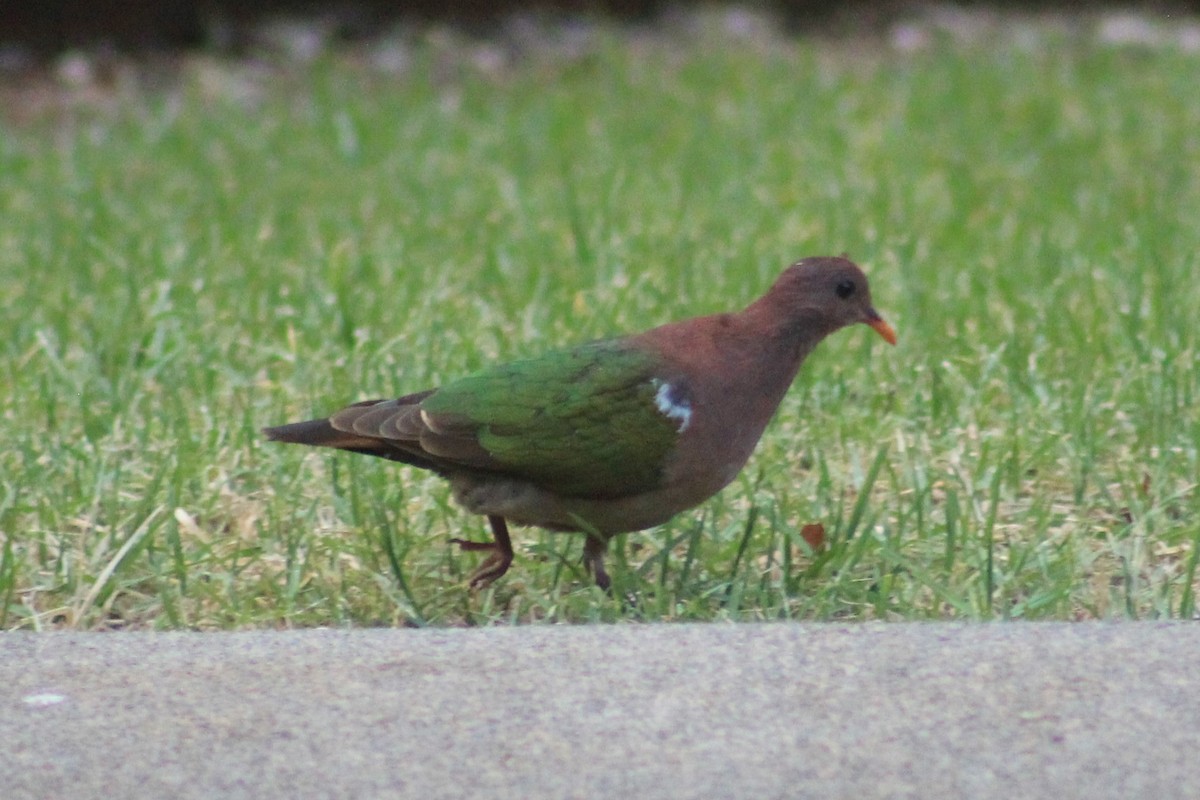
x=784 y=336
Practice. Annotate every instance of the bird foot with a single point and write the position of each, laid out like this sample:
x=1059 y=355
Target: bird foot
x=593 y=561
x=603 y=581
x=493 y=567
x=467 y=544
x=501 y=558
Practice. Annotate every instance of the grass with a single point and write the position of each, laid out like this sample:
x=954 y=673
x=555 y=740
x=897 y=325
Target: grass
x=254 y=242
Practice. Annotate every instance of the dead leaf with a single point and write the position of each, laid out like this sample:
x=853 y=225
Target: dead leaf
x=814 y=535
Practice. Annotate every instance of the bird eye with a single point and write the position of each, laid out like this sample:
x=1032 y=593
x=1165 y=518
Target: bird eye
x=845 y=289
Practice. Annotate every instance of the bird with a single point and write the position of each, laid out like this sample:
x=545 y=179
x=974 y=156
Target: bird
x=610 y=436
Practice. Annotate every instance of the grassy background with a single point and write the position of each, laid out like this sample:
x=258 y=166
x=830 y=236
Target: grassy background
x=254 y=242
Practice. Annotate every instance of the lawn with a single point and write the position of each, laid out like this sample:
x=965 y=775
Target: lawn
x=191 y=251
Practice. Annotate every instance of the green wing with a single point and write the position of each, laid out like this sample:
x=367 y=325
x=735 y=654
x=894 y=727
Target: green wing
x=581 y=422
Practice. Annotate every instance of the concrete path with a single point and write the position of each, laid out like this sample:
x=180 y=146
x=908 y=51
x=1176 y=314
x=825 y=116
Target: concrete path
x=685 y=711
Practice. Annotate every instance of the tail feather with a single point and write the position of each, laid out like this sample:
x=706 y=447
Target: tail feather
x=316 y=433
x=321 y=433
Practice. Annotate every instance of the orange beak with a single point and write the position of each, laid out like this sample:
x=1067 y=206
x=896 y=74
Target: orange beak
x=881 y=327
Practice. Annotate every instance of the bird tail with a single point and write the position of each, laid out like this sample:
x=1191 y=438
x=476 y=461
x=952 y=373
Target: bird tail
x=315 y=433
x=321 y=433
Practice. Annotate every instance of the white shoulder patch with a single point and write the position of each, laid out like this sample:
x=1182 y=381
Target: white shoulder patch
x=673 y=404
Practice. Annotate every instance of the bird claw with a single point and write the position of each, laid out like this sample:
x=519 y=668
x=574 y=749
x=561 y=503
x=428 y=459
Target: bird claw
x=501 y=558
x=493 y=567
x=469 y=545
x=601 y=577
x=593 y=561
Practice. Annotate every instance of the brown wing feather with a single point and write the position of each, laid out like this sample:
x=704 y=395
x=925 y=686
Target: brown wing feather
x=392 y=429
x=461 y=450
x=404 y=424
x=364 y=421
